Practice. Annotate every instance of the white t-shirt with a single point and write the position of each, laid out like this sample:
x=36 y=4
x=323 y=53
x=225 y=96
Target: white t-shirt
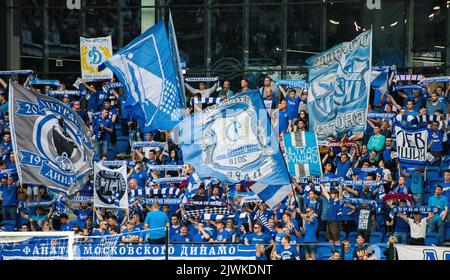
x=418 y=230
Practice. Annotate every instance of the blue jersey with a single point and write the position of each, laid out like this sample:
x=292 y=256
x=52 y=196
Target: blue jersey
x=157 y=221
x=435 y=137
x=9 y=195
x=140 y=178
x=333 y=210
x=288 y=254
x=222 y=236
x=311 y=230
x=82 y=215
x=292 y=107
x=283 y=121
x=262 y=238
x=67 y=227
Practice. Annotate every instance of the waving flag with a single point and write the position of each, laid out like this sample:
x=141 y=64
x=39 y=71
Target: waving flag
x=233 y=141
x=51 y=142
x=110 y=187
x=146 y=69
x=339 y=87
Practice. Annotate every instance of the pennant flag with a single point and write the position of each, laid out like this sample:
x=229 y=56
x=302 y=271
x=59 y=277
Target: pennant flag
x=272 y=195
x=51 y=142
x=94 y=52
x=110 y=187
x=412 y=145
x=302 y=154
x=176 y=57
x=233 y=141
x=339 y=87
x=146 y=70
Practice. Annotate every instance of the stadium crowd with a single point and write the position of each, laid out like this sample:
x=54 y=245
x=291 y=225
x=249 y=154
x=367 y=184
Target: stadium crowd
x=312 y=213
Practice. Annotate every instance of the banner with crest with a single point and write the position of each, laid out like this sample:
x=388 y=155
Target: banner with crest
x=51 y=143
x=94 y=52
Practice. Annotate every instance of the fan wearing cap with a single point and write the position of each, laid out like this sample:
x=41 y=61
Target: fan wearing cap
x=417 y=226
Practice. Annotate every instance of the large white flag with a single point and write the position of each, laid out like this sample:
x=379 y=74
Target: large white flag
x=110 y=187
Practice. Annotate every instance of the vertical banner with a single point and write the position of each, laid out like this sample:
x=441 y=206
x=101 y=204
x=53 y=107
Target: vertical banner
x=52 y=145
x=110 y=187
x=302 y=154
x=412 y=146
x=339 y=89
x=94 y=52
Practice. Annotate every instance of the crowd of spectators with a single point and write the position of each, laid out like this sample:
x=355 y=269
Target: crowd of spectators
x=312 y=212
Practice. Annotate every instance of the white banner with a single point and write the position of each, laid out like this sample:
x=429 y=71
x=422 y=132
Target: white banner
x=110 y=187
x=423 y=253
x=94 y=52
x=412 y=146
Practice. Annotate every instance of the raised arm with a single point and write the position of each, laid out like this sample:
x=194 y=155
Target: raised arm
x=3 y=83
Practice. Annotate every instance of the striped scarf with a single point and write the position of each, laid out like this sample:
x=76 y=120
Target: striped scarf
x=409 y=77
x=202 y=79
x=215 y=210
x=173 y=192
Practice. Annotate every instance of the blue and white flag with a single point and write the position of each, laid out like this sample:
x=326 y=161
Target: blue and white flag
x=412 y=145
x=302 y=154
x=194 y=183
x=233 y=141
x=146 y=69
x=340 y=80
x=272 y=195
x=51 y=142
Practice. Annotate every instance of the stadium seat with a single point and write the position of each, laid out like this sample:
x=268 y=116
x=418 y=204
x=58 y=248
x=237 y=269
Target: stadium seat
x=324 y=251
x=383 y=246
x=111 y=153
x=8 y=225
x=121 y=145
x=342 y=236
x=432 y=239
x=433 y=173
x=322 y=237
x=386 y=237
x=352 y=237
x=447 y=232
x=376 y=237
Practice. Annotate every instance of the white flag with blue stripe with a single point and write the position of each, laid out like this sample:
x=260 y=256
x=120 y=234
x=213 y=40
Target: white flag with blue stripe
x=146 y=69
x=272 y=195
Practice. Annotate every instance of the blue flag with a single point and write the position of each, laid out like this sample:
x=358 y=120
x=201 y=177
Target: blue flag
x=339 y=89
x=146 y=69
x=302 y=154
x=233 y=141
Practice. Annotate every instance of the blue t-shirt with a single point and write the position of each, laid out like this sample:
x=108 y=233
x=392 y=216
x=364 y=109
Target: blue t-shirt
x=82 y=215
x=67 y=227
x=130 y=233
x=106 y=136
x=221 y=236
x=198 y=238
x=292 y=107
x=283 y=121
x=262 y=238
x=9 y=195
x=311 y=230
x=440 y=202
x=181 y=238
x=333 y=210
x=263 y=257
x=435 y=137
x=288 y=254
x=278 y=237
x=139 y=177
x=157 y=221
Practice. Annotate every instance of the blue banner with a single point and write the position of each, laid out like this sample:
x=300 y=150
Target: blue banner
x=340 y=81
x=146 y=69
x=130 y=252
x=302 y=154
x=233 y=141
